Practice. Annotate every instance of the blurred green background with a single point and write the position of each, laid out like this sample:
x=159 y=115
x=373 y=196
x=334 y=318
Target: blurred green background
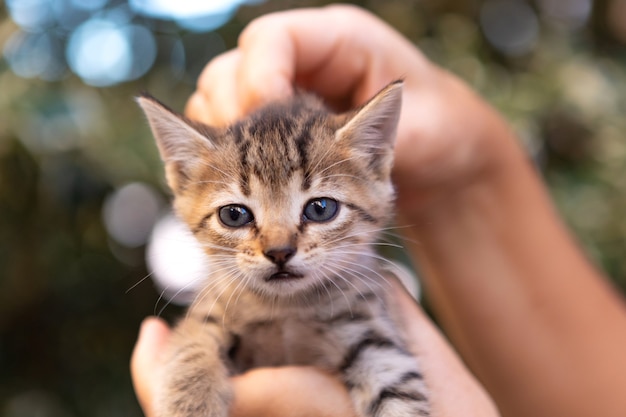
x=81 y=184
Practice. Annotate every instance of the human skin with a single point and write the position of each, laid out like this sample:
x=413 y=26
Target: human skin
x=534 y=320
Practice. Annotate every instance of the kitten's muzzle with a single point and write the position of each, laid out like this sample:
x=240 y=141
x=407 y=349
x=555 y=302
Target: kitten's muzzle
x=279 y=257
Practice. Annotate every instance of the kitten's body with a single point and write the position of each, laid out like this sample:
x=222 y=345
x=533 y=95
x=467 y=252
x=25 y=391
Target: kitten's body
x=287 y=203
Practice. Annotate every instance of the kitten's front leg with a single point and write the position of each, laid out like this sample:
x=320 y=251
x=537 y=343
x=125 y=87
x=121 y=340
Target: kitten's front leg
x=383 y=378
x=195 y=379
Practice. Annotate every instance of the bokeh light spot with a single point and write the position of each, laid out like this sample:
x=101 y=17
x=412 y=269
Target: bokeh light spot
x=512 y=27
x=99 y=53
x=28 y=54
x=176 y=260
x=67 y=15
x=130 y=212
x=144 y=50
x=572 y=13
x=31 y=14
x=35 y=54
x=104 y=53
x=90 y=5
x=194 y=15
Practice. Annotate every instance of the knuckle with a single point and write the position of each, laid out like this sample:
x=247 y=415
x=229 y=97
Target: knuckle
x=348 y=10
x=254 y=28
x=208 y=74
x=197 y=107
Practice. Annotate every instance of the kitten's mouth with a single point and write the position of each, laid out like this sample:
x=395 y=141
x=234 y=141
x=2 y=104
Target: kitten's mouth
x=284 y=276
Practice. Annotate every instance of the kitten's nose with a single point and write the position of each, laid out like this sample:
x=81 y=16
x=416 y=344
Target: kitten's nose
x=280 y=256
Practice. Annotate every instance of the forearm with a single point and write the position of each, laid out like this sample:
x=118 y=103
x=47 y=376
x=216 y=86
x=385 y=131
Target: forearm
x=535 y=321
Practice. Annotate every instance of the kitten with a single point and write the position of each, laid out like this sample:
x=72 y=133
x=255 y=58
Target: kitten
x=287 y=204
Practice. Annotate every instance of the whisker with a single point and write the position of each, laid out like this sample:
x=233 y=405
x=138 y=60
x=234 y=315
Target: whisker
x=339 y=288
x=213 y=167
x=348 y=245
x=216 y=281
x=336 y=163
x=211 y=182
x=360 y=276
x=232 y=293
x=359 y=233
x=343 y=176
x=369 y=255
x=189 y=284
x=139 y=282
x=247 y=280
x=156 y=304
x=328 y=151
x=324 y=278
x=218 y=247
x=231 y=280
x=364 y=275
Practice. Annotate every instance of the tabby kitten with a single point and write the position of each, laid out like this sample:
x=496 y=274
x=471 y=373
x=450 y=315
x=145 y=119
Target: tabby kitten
x=287 y=204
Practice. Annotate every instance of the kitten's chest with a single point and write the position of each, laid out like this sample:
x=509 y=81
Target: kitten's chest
x=314 y=331
x=289 y=341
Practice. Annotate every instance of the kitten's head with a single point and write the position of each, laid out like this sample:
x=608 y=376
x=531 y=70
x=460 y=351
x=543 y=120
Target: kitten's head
x=288 y=198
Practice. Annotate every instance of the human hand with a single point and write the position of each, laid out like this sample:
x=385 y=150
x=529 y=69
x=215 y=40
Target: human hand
x=287 y=391
x=447 y=136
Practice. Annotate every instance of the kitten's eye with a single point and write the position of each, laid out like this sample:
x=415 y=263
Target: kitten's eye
x=235 y=216
x=321 y=209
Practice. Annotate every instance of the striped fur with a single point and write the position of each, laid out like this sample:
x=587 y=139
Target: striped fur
x=287 y=287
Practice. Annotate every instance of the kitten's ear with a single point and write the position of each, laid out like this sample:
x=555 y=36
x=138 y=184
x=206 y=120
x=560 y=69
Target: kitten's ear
x=180 y=144
x=371 y=130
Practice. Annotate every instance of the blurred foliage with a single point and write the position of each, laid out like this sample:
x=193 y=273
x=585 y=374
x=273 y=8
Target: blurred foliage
x=68 y=320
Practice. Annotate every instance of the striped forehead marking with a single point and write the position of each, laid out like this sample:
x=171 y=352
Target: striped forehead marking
x=273 y=146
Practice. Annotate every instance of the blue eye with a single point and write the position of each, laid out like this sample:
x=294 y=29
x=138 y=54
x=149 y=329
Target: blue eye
x=321 y=209
x=235 y=215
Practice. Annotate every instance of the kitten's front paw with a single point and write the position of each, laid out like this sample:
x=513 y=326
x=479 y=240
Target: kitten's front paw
x=195 y=396
x=400 y=404
x=403 y=396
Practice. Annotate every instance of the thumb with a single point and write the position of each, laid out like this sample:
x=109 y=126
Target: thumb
x=147 y=354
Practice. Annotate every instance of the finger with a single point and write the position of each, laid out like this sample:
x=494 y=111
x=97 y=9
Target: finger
x=454 y=390
x=267 y=70
x=151 y=343
x=290 y=391
x=197 y=107
x=282 y=48
x=216 y=102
